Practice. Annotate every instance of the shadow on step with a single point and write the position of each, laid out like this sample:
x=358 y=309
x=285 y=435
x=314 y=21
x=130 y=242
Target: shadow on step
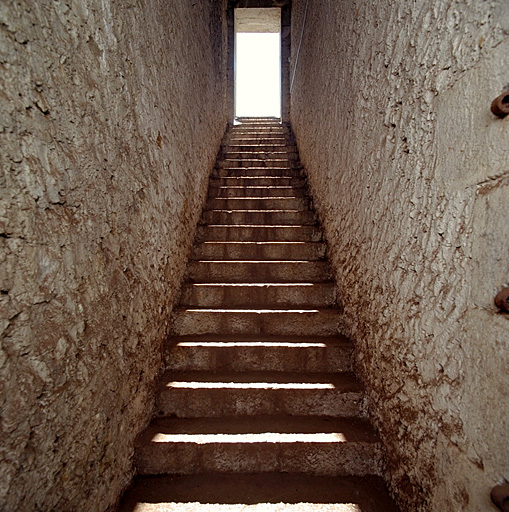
x=346 y=429
x=261 y=492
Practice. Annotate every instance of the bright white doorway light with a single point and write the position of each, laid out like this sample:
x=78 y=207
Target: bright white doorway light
x=258 y=63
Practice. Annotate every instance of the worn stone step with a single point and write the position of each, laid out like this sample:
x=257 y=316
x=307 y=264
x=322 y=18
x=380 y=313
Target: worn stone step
x=279 y=163
x=250 y=146
x=257 y=125
x=208 y=295
x=260 y=492
x=257 y=129
x=283 y=131
x=260 y=130
x=266 y=139
x=262 y=172
x=216 y=394
x=258 y=181
x=258 y=271
x=231 y=153
x=259 y=353
x=258 y=203
x=258 y=150
x=252 y=191
x=252 y=121
x=291 y=251
x=258 y=233
x=259 y=119
x=267 y=217
x=249 y=131
x=310 y=445
x=312 y=321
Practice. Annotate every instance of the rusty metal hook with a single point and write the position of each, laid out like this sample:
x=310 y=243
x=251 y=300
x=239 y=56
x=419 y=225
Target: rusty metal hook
x=502 y=299
x=500 y=496
x=500 y=105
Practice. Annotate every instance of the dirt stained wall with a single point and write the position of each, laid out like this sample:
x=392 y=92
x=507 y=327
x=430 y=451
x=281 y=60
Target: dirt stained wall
x=111 y=115
x=408 y=168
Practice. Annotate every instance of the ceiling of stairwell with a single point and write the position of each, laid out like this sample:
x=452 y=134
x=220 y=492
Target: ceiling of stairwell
x=258 y=3
x=258 y=20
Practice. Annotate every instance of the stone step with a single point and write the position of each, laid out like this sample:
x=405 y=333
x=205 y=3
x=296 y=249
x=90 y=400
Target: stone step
x=289 y=322
x=310 y=445
x=249 y=295
x=252 y=137
x=258 y=271
x=258 y=181
x=267 y=139
x=291 y=251
x=263 y=126
x=260 y=130
x=278 y=163
x=255 y=125
x=250 y=121
x=253 y=172
x=275 y=217
x=233 y=153
x=257 y=122
x=257 y=147
x=261 y=492
x=260 y=353
x=258 y=203
x=257 y=150
x=259 y=119
x=257 y=129
x=216 y=394
x=258 y=233
x=249 y=131
x=240 y=191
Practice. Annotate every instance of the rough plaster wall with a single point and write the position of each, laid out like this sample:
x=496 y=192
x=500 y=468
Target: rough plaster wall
x=409 y=171
x=111 y=117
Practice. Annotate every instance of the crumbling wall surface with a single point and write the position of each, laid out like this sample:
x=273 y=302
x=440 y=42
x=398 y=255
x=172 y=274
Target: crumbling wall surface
x=111 y=116
x=409 y=172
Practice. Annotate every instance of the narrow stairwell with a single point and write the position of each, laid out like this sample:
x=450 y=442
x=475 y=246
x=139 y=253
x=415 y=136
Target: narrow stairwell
x=259 y=408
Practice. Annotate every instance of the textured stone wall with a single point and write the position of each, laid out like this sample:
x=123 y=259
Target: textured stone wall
x=409 y=170
x=111 y=116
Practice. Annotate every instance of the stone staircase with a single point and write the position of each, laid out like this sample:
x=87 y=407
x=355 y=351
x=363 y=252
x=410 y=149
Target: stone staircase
x=259 y=408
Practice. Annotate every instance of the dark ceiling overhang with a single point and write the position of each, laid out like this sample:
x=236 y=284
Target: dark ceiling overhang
x=258 y=3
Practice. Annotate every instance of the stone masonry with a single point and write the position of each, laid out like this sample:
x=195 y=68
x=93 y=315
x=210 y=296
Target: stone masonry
x=408 y=168
x=111 y=116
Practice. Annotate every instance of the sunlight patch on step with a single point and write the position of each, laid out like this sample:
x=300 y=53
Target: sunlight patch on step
x=267 y=198
x=255 y=187
x=264 y=262
x=258 y=311
x=256 y=285
x=258 y=211
x=265 y=226
x=265 y=437
x=241 y=507
x=227 y=344
x=257 y=243
x=249 y=385
x=256 y=159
